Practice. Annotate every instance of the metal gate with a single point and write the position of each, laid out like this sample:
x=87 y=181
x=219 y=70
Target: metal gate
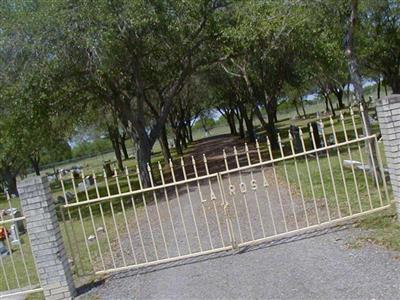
x=242 y=197
x=18 y=275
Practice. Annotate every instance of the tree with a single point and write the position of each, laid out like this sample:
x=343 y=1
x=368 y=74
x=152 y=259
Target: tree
x=136 y=54
x=267 y=45
x=224 y=95
x=356 y=80
x=380 y=40
x=32 y=119
x=189 y=104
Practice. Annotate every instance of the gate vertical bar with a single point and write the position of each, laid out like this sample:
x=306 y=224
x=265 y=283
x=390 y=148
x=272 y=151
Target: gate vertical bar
x=228 y=217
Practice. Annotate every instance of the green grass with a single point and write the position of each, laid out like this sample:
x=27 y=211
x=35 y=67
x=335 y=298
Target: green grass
x=19 y=277
x=35 y=296
x=74 y=231
x=339 y=187
x=383 y=229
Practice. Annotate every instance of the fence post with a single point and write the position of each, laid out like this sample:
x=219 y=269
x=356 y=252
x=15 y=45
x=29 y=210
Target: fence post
x=388 y=110
x=45 y=237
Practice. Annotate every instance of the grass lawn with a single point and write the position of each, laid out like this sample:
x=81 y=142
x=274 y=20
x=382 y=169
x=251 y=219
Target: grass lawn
x=77 y=232
x=346 y=191
x=383 y=230
x=19 y=277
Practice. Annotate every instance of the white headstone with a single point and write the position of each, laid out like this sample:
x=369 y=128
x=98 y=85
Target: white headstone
x=14 y=235
x=81 y=187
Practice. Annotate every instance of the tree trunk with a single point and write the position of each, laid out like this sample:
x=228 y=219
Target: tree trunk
x=178 y=139
x=340 y=101
x=186 y=133
x=379 y=88
x=251 y=134
x=356 y=80
x=394 y=83
x=241 y=128
x=331 y=105
x=260 y=117
x=303 y=108
x=339 y=96
x=230 y=118
x=250 y=128
x=232 y=129
x=233 y=123
x=114 y=136
x=143 y=157
x=190 y=132
x=178 y=145
x=248 y=121
x=10 y=181
x=35 y=164
x=326 y=103
x=269 y=127
x=183 y=138
x=123 y=147
x=118 y=155
x=348 y=93
x=296 y=107
x=163 y=140
x=272 y=132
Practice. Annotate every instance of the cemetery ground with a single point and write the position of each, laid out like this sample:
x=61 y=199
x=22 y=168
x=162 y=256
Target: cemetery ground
x=382 y=228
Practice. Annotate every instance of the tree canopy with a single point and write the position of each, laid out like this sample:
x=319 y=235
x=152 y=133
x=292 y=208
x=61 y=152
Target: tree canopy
x=151 y=68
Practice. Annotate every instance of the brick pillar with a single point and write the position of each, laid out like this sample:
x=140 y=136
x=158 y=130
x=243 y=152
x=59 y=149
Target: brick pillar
x=388 y=109
x=45 y=237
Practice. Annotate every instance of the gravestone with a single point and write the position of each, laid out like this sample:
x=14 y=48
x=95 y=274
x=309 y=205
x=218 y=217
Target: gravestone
x=331 y=140
x=315 y=129
x=76 y=173
x=297 y=144
x=60 y=200
x=87 y=182
x=3 y=249
x=70 y=198
x=81 y=187
x=108 y=169
x=14 y=238
x=20 y=224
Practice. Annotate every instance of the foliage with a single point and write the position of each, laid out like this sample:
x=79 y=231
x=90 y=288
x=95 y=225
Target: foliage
x=155 y=66
x=90 y=147
x=380 y=40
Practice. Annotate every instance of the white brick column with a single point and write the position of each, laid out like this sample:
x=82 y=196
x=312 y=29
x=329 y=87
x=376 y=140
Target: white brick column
x=388 y=109
x=45 y=237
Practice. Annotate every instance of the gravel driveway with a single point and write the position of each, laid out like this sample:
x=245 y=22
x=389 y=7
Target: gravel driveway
x=320 y=265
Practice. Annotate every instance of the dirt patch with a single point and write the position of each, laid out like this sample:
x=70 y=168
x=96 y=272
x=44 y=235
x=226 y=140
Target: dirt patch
x=209 y=153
